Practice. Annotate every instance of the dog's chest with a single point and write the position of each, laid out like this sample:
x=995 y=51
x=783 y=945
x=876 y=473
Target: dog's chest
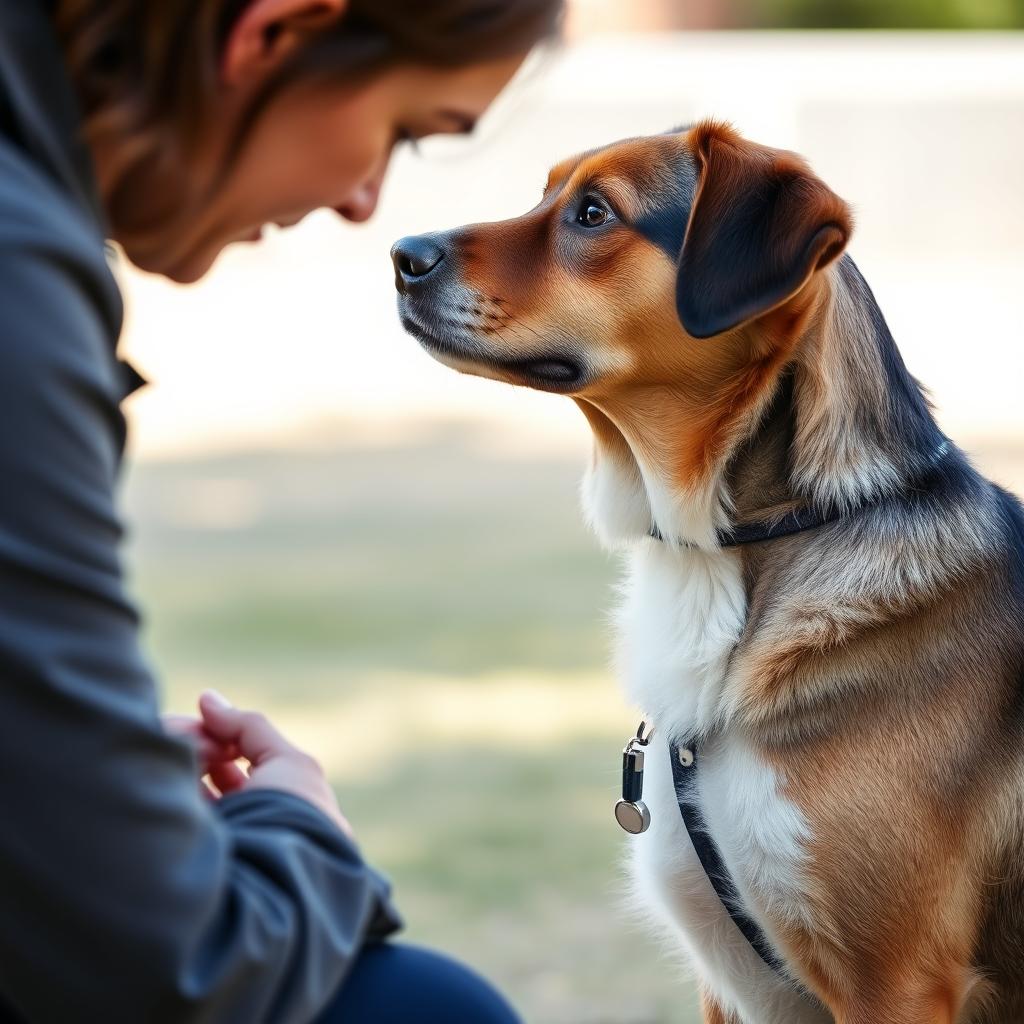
x=681 y=616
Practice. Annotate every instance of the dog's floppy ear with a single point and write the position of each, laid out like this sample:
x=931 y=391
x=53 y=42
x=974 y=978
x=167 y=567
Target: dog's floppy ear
x=761 y=225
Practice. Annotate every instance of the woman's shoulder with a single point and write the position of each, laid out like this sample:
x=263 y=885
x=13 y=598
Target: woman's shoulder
x=39 y=217
x=53 y=265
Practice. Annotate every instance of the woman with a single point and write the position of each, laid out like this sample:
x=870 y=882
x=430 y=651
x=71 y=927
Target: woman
x=176 y=128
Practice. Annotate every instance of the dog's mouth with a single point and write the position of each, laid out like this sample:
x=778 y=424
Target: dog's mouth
x=452 y=343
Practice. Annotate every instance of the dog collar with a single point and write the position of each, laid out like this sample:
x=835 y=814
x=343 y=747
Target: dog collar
x=752 y=533
x=808 y=517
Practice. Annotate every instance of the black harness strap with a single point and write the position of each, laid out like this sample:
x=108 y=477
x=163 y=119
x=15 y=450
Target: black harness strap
x=684 y=773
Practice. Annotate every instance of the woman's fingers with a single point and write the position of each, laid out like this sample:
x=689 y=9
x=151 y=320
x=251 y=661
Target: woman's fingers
x=224 y=734
x=228 y=777
x=210 y=750
x=274 y=763
x=251 y=733
x=181 y=725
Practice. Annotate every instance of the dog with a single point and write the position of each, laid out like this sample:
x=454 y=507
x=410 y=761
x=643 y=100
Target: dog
x=824 y=603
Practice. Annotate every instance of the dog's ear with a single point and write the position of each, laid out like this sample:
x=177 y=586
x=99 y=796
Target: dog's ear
x=761 y=225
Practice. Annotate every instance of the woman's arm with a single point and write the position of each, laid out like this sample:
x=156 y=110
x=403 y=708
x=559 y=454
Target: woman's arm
x=125 y=897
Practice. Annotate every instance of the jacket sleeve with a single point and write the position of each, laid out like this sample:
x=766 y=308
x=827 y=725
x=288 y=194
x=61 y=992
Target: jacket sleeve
x=125 y=896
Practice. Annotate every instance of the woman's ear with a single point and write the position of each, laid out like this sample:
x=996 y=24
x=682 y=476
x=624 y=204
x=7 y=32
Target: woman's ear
x=761 y=225
x=267 y=32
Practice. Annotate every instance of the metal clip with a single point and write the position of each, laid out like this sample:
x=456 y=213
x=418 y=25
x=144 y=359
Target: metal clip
x=631 y=812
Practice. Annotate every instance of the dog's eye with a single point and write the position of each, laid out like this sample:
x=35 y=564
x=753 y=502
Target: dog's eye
x=592 y=214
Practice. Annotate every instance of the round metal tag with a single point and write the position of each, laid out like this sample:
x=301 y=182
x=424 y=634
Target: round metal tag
x=633 y=817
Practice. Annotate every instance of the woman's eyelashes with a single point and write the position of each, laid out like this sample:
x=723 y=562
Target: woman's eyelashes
x=405 y=137
x=446 y=123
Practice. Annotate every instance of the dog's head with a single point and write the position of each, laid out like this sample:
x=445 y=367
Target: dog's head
x=663 y=283
x=635 y=255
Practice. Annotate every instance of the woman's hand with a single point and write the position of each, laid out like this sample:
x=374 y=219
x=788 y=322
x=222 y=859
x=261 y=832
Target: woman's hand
x=225 y=734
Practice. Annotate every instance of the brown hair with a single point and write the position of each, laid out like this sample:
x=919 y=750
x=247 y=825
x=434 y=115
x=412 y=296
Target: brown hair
x=144 y=71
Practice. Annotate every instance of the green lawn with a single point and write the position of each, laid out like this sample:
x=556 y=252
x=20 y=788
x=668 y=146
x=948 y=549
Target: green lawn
x=430 y=620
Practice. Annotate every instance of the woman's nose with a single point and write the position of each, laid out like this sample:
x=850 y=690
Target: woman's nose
x=361 y=203
x=414 y=257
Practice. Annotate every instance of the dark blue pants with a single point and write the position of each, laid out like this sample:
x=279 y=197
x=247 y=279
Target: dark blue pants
x=399 y=984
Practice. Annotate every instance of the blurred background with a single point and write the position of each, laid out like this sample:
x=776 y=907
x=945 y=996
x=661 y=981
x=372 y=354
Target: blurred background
x=389 y=558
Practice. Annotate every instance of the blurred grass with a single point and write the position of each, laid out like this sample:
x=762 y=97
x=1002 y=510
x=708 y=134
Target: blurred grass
x=429 y=619
x=432 y=557
x=882 y=14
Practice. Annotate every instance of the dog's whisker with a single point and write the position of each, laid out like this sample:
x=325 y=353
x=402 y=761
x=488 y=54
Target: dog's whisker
x=524 y=326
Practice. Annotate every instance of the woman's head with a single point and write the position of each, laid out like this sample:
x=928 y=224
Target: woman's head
x=210 y=118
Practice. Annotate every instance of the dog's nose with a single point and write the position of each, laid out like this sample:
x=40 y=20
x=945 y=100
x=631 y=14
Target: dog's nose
x=414 y=257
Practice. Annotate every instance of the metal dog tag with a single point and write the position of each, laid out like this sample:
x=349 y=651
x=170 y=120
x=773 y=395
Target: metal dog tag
x=631 y=812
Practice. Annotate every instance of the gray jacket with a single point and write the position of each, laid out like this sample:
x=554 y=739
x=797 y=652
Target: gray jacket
x=124 y=896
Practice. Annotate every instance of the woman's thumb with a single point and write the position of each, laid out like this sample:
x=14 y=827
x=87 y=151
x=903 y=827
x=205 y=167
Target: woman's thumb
x=220 y=716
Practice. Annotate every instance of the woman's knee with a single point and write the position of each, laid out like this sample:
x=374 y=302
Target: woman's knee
x=392 y=983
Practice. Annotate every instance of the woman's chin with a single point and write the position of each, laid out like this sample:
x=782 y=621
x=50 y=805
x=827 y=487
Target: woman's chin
x=186 y=270
x=181 y=263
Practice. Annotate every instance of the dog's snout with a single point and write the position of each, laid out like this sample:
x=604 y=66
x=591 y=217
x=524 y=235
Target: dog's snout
x=414 y=258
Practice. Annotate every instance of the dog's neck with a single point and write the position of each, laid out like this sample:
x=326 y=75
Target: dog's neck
x=835 y=421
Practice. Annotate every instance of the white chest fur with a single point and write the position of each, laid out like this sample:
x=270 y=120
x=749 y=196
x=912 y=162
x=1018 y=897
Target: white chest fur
x=680 y=618
x=682 y=613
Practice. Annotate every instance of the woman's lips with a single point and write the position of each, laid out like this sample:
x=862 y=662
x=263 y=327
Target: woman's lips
x=256 y=234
